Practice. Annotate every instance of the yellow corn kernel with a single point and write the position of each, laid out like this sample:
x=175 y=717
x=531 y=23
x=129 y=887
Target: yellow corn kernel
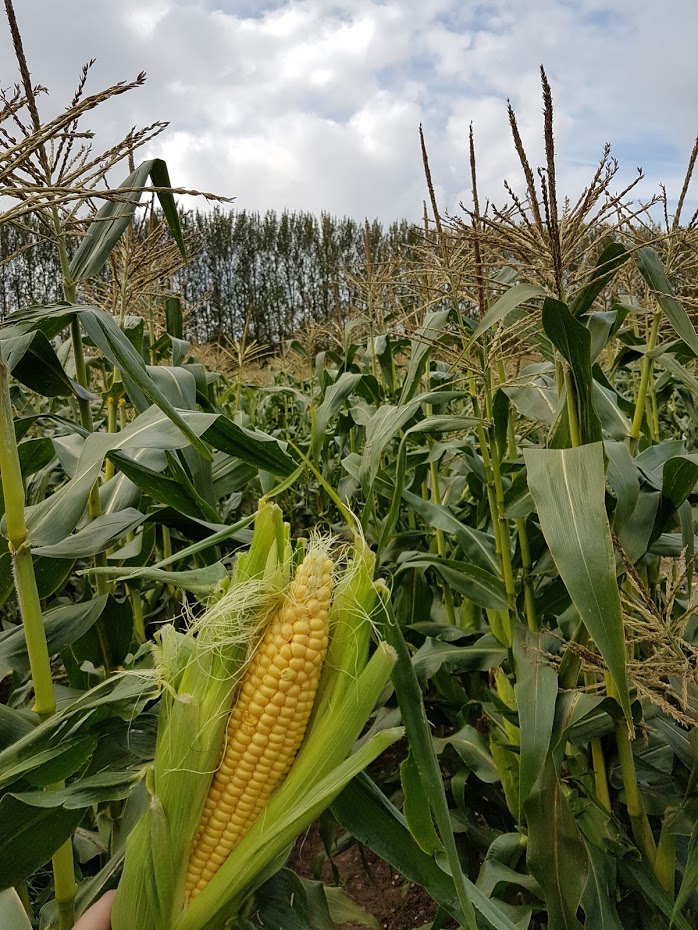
x=268 y=722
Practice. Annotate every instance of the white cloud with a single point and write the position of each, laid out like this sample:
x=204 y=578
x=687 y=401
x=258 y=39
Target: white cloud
x=144 y=20
x=315 y=104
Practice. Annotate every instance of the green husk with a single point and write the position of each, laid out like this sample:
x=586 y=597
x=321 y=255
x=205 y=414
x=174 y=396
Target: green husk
x=200 y=673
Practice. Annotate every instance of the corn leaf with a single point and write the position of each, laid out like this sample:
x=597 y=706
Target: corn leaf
x=33 y=361
x=599 y=895
x=510 y=300
x=478 y=585
x=537 y=401
x=12 y=913
x=50 y=521
x=101 y=534
x=613 y=421
x=568 y=487
x=30 y=836
x=163 y=489
x=609 y=261
x=536 y=693
x=556 y=854
x=104 y=331
x=622 y=477
x=478 y=547
x=282 y=904
x=344 y=909
x=63 y=625
x=689 y=882
x=114 y=218
x=472 y=747
x=369 y=816
x=429 y=333
x=197 y=580
x=411 y=703
x=332 y=403
x=636 y=873
x=84 y=792
x=417 y=809
x=650 y=267
x=482 y=655
x=573 y=340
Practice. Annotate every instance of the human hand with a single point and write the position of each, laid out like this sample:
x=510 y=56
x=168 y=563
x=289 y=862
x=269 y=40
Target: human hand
x=98 y=917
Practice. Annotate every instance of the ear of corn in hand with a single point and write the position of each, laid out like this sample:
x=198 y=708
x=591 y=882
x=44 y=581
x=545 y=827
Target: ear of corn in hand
x=257 y=719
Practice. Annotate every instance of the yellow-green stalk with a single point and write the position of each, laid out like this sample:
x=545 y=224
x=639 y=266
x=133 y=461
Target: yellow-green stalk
x=32 y=617
x=506 y=760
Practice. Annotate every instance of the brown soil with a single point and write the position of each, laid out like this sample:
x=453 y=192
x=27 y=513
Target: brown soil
x=395 y=903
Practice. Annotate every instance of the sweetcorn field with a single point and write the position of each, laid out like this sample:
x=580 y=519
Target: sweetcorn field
x=424 y=590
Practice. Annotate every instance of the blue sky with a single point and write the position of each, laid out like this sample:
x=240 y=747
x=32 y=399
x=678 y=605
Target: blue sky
x=316 y=104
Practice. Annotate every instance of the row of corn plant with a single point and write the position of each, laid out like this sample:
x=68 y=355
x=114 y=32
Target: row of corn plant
x=528 y=481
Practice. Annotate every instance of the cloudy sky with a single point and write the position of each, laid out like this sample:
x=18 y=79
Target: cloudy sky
x=316 y=104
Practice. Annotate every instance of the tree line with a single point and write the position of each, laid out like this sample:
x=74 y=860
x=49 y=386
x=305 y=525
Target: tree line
x=263 y=274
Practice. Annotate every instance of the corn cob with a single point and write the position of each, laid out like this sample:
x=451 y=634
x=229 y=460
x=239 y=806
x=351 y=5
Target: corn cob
x=269 y=719
x=206 y=670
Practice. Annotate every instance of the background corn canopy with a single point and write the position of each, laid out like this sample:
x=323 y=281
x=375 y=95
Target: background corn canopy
x=493 y=417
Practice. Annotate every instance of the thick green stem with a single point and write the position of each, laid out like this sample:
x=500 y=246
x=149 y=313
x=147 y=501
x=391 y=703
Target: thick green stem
x=81 y=374
x=94 y=508
x=69 y=285
x=440 y=539
x=64 y=885
x=640 y=825
x=502 y=619
x=496 y=456
x=521 y=531
x=486 y=464
x=123 y=293
x=138 y=618
x=151 y=336
x=654 y=410
x=167 y=554
x=507 y=569
x=25 y=580
x=642 y=832
x=32 y=617
x=10 y=471
x=571 y=664
x=111 y=428
x=644 y=381
x=572 y=412
x=600 y=775
x=526 y=576
x=23 y=893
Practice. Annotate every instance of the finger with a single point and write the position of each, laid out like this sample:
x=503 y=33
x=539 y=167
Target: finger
x=98 y=916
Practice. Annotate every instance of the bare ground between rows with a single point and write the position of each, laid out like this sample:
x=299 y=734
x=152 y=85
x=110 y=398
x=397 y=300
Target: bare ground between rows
x=395 y=903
